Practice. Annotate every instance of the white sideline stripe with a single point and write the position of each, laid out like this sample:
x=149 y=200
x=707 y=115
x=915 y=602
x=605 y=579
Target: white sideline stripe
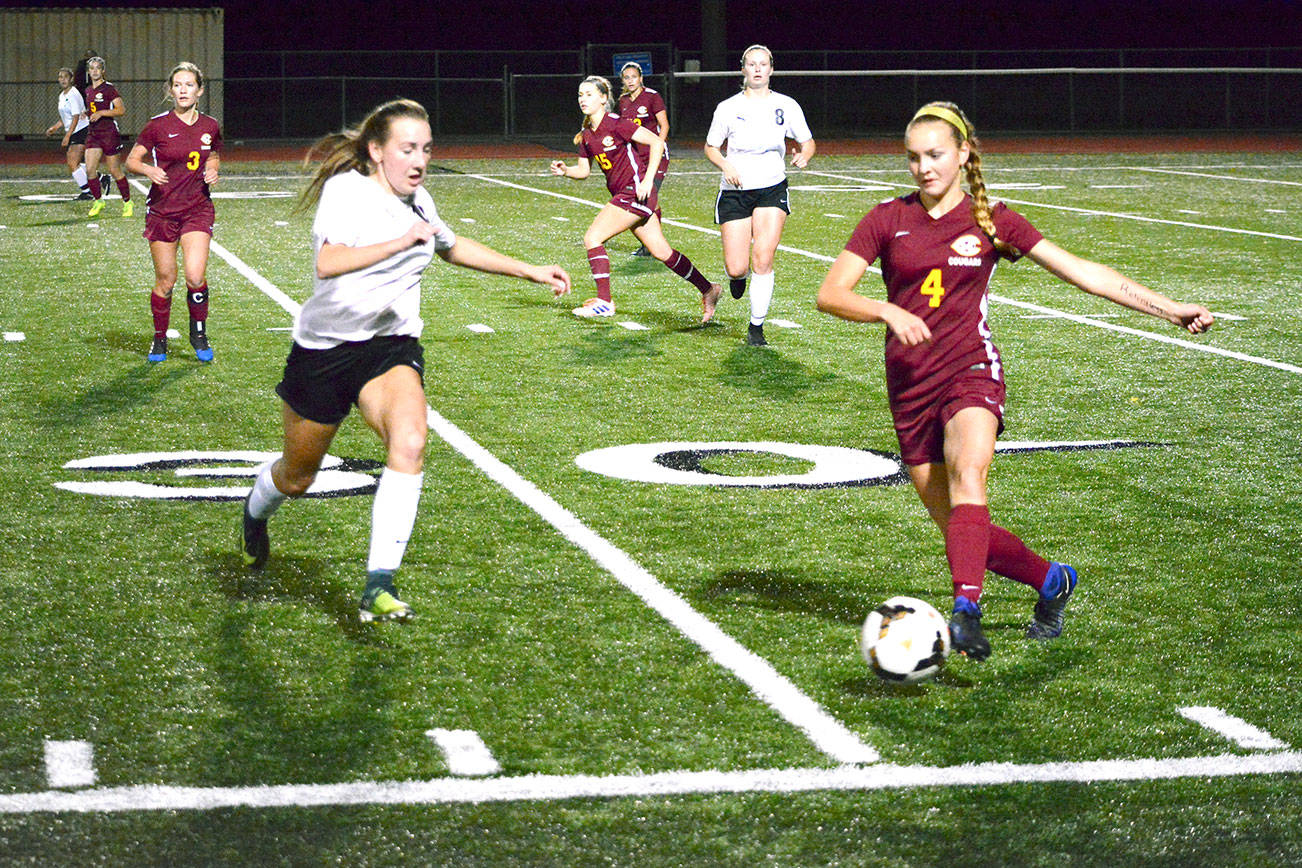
x=1166 y=339
x=1235 y=729
x=828 y=734
x=465 y=752
x=480 y=328
x=1048 y=311
x=634 y=326
x=1097 y=213
x=554 y=787
x=69 y=763
x=1217 y=177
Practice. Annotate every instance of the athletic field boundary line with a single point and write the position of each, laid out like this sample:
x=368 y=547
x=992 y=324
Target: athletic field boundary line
x=1048 y=311
x=540 y=787
x=777 y=691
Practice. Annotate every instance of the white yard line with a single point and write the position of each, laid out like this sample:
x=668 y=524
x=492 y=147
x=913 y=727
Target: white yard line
x=1217 y=177
x=442 y=791
x=828 y=734
x=1235 y=729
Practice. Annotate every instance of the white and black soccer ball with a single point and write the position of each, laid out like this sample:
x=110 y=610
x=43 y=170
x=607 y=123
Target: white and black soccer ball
x=905 y=640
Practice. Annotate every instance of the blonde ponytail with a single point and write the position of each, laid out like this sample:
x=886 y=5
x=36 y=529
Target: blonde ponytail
x=349 y=149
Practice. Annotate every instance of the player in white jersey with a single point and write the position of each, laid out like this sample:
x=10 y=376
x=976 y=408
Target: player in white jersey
x=356 y=338
x=747 y=141
x=72 y=123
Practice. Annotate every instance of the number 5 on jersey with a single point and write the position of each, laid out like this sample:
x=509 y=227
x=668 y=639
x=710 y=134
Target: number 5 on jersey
x=932 y=287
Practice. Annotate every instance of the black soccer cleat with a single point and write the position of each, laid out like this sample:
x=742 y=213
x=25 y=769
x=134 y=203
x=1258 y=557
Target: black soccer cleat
x=1059 y=585
x=255 y=545
x=965 y=634
x=755 y=335
x=158 y=350
x=199 y=341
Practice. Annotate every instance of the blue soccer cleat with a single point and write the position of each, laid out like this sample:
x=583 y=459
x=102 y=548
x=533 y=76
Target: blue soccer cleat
x=158 y=350
x=965 y=633
x=1059 y=585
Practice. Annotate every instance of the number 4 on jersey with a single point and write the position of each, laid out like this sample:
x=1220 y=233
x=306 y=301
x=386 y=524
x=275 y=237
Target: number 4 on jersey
x=932 y=287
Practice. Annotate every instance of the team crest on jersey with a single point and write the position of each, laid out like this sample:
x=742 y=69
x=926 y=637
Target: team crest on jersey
x=966 y=245
x=206 y=138
x=641 y=111
x=608 y=142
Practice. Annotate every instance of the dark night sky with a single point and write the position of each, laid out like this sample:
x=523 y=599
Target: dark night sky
x=790 y=24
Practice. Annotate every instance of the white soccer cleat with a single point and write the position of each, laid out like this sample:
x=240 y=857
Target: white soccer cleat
x=595 y=307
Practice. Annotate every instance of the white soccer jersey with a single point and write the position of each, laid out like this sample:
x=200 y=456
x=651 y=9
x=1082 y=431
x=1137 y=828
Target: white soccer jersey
x=755 y=129
x=382 y=299
x=70 y=105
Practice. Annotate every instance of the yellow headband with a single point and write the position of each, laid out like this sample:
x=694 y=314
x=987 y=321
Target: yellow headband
x=947 y=115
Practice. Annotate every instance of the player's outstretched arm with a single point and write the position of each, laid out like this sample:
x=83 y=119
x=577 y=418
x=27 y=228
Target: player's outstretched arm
x=469 y=253
x=1098 y=279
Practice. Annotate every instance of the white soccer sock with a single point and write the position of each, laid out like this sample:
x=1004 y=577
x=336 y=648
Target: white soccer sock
x=761 y=293
x=265 y=498
x=79 y=175
x=392 y=517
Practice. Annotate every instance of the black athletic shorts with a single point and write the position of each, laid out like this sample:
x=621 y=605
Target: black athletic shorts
x=79 y=137
x=323 y=385
x=738 y=204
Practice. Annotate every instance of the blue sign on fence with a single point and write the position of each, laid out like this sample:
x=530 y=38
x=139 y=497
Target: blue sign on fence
x=641 y=58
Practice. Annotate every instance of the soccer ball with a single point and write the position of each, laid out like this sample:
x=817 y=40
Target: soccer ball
x=905 y=640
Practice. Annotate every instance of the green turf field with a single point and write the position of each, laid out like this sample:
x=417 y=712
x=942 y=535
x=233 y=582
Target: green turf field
x=647 y=672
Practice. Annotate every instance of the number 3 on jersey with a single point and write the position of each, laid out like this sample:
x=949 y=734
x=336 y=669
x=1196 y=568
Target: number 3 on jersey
x=932 y=287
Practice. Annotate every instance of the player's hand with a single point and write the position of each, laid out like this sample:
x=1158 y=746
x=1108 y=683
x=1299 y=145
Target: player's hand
x=730 y=175
x=1193 y=317
x=798 y=159
x=157 y=175
x=553 y=276
x=419 y=233
x=643 y=188
x=558 y=167
x=909 y=329
x=210 y=174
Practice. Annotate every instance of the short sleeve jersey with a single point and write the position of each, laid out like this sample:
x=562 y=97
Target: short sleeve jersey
x=755 y=130
x=611 y=147
x=643 y=110
x=100 y=98
x=181 y=150
x=939 y=270
x=70 y=105
x=382 y=299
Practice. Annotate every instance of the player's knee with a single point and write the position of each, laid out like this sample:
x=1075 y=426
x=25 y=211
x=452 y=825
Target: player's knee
x=406 y=451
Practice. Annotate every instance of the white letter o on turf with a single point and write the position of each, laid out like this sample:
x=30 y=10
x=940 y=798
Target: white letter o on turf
x=679 y=463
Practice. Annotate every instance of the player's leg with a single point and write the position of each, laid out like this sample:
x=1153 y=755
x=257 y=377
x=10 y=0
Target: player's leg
x=194 y=250
x=736 y=235
x=766 y=227
x=114 y=163
x=75 y=155
x=160 y=299
x=93 y=157
x=652 y=236
x=393 y=404
x=609 y=222
x=306 y=443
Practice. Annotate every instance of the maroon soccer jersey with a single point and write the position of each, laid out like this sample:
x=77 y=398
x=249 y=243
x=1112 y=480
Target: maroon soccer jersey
x=643 y=109
x=940 y=271
x=610 y=146
x=181 y=150
x=100 y=98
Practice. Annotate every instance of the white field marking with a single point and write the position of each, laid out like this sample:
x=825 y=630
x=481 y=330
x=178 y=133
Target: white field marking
x=280 y=328
x=828 y=734
x=1229 y=316
x=1187 y=211
x=281 y=223
x=1283 y=366
x=1235 y=729
x=1086 y=315
x=561 y=219
x=535 y=788
x=69 y=763
x=14 y=337
x=1274 y=210
x=1217 y=177
x=1120 y=186
x=634 y=326
x=834 y=216
x=465 y=752
x=468 y=220
x=1115 y=214
x=785 y=323
x=825 y=731
x=481 y=328
x=1153 y=336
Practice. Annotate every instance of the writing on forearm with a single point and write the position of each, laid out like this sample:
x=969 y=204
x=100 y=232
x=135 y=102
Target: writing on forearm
x=1145 y=303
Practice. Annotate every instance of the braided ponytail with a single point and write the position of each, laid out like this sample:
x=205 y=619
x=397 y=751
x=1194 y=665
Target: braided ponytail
x=965 y=132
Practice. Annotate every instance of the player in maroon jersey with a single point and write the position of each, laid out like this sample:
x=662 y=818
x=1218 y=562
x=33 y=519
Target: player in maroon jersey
x=644 y=107
x=103 y=107
x=183 y=147
x=610 y=141
x=938 y=249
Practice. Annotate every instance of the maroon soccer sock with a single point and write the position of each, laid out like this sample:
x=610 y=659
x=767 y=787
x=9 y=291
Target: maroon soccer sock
x=95 y=189
x=967 y=544
x=161 y=307
x=1010 y=558
x=197 y=297
x=682 y=266
x=124 y=189
x=599 y=262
